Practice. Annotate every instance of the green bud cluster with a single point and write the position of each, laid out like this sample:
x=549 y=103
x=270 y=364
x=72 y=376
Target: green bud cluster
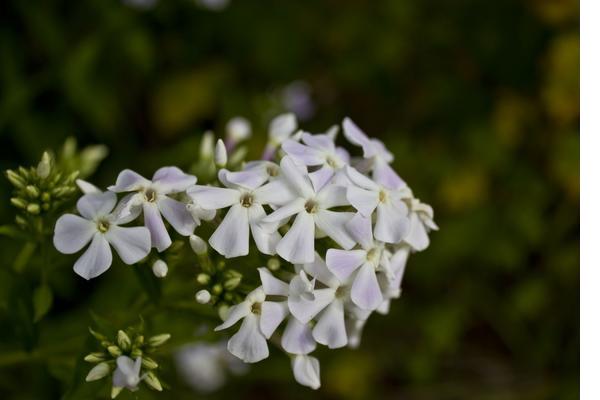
x=129 y=342
x=40 y=190
x=223 y=284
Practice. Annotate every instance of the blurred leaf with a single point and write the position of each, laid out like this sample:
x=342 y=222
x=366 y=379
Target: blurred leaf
x=42 y=301
x=24 y=256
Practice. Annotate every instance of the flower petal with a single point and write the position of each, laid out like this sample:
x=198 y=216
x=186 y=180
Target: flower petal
x=248 y=179
x=321 y=177
x=334 y=225
x=72 y=232
x=177 y=214
x=96 y=259
x=356 y=136
x=331 y=329
x=360 y=180
x=297 y=338
x=272 y=315
x=366 y=292
x=94 y=205
x=297 y=177
x=332 y=196
x=282 y=127
x=234 y=314
x=321 y=142
x=298 y=244
x=128 y=181
x=212 y=198
x=365 y=201
x=344 y=262
x=266 y=239
x=131 y=243
x=361 y=230
x=307 y=371
x=172 y=180
x=285 y=211
x=248 y=344
x=302 y=153
x=318 y=269
x=276 y=192
x=305 y=310
x=271 y=285
x=158 y=232
x=386 y=176
x=393 y=223
x=232 y=236
x=417 y=236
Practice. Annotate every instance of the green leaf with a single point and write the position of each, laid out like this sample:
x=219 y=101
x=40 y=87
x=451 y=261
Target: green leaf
x=42 y=301
x=12 y=231
x=24 y=256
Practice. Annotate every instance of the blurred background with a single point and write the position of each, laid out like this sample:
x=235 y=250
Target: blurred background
x=479 y=101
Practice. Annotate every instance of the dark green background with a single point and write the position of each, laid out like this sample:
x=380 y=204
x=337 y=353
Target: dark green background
x=478 y=99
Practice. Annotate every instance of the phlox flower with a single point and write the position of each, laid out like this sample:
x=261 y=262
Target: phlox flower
x=281 y=128
x=311 y=208
x=421 y=222
x=100 y=225
x=391 y=287
x=127 y=374
x=245 y=194
x=152 y=198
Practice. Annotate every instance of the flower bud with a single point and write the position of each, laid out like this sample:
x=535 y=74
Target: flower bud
x=33 y=208
x=237 y=129
x=203 y=296
x=123 y=340
x=97 y=335
x=198 y=245
x=203 y=279
x=32 y=191
x=152 y=381
x=149 y=363
x=135 y=353
x=232 y=279
x=114 y=392
x=223 y=311
x=15 y=179
x=98 y=372
x=220 y=154
x=160 y=268
x=207 y=146
x=114 y=351
x=139 y=341
x=273 y=264
x=217 y=289
x=44 y=166
x=95 y=357
x=158 y=340
x=19 y=203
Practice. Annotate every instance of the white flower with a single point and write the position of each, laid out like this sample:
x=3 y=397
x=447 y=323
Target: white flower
x=127 y=374
x=249 y=344
x=152 y=198
x=98 y=225
x=237 y=130
x=377 y=156
x=280 y=129
x=391 y=288
x=392 y=222
x=87 y=187
x=421 y=222
x=245 y=195
x=318 y=151
x=306 y=371
x=311 y=208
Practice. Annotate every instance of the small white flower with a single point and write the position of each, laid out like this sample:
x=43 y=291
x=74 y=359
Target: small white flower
x=203 y=296
x=377 y=156
x=421 y=222
x=245 y=195
x=152 y=198
x=318 y=151
x=237 y=130
x=307 y=371
x=311 y=208
x=280 y=129
x=160 y=269
x=127 y=374
x=99 y=226
x=392 y=223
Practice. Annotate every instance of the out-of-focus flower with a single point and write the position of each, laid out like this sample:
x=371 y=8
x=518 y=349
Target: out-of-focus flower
x=100 y=226
x=421 y=222
x=152 y=197
x=127 y=374
x=307 y=371
x=281 y=128
x=237 y=130
x=297 y=99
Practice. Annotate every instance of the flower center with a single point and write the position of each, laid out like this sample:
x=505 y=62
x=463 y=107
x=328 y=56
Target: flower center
x=383 y=196
x=273 y=170
x=103 y=225
x=341 y=292
x=311 y=206
x=332 y=162
x=246 y=200
x=150 y=195
x=256 y=308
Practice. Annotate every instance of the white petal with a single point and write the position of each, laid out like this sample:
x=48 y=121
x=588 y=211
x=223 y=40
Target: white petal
x=417 y=237
x=235 y=313
x=303 y=154
x=282 y=127
x=360 y=180
x=354 y=327
x=87 y=187
x=357 y=137
x=321 y=142
x=307 y=371
x=285 y=211
x=361 y=230
x=297 y=177
x=128 y=181
x=128 y=208
x=272 y=315
x=176 y=213
x=96 y=259
x=94 y=205
x=72 y=232
x=344 y=262
x=321 y=177
x=266 y=239
x=212 y=198
x=365 y=201
x=334 y=225
x=297 y=338
x=158 y=232
x=318 y=269
x=276 y=192
x=386 y=176
x=392 y=222
x=248 y=179
x=172 y=180
x=232 y=236
x=305 y=310
x=271 y=285
x=332 y=196
x=131 y=243
x=298 y=244
x=248 y=344
x=366 y=292
x=331 y=329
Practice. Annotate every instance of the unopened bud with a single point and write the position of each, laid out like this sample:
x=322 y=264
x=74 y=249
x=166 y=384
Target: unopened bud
x=152 y=381
x=198 y=245
x=135 y=353
x=203 y=296
x=207 y=146
x=158 y=340
x=15 y=179
x=123 y=340
x=114 y=351
x=223 y=312
x=114 y=392
x=273 y=264
x=32 y=191
x=160 y=268
x=95 y=357
x=238 y=156
x=44 y=166
x=98 y=372
x=97 y=335
x=220 y=154
x=217 y=289
x=149 y=363
x=18 y=202
x=203 y=279
x=33 y=208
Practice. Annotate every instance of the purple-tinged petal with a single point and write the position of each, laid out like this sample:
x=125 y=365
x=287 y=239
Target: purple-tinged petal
x=307 y=371
x=386 y=176
x=96 y=259
x=297 y=338
x=249 y=344
x=128 y=181
x=331 y=329
x=131 y=243
x=366 y=292
x=94 y=205
x=72 y=232
x=298 y=244
x=232 y=236
x=177 y=214
x=344 y=262
x=302 y=153
x=158 y=232
x=172 y=180
x=334 y=225
x=361 y=230
x=297 y=177
x=357 y=137
x=393 y=223
x=213 y=198
x=272 y=315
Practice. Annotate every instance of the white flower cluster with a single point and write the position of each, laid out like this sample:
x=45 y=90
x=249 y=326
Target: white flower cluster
x=346 y=224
